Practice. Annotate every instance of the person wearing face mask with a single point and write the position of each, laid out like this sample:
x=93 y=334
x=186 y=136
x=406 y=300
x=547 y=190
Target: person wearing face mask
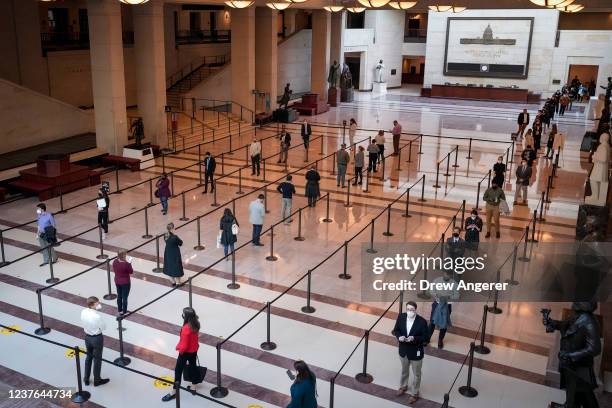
x=441 y=308
x=473 y=227
x=499 y=169
x=493 y=196
x=94 y=325
x=523 y=176
x=173 y=262
x=257 y=212
x=103 y=202
x=412 y=334
x=46 y=234
x=455 y=245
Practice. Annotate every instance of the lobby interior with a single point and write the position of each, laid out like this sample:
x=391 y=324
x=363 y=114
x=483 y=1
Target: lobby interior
x=209 y=76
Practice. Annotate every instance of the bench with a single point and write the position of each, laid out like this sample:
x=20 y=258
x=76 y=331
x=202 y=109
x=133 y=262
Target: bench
x=44 y=191
x=95 y=177
x=132 y=164
x=2 y=194
x=263 y=118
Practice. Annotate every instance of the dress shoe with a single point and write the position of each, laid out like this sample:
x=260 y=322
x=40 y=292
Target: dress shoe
x=401 y=391
x=557 y=405
x=488 y=235
x=413 y=399
x=101 y=381
x=259 y=244
x=86 y=381
x=440 y=344
x=168 y=397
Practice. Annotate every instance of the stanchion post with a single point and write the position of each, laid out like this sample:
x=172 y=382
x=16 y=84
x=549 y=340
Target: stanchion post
x=327 y=219
x=122 y=360
x=437 y=185
x=478 y=196
x=52 y=279
x=117 y=190
x=388 y=232
x=348 y=194
x=233 y=284
x=533 y=229
x=422 y=199
x=214 y=203
x=102 y=255
x=4 y=262
x=184 y=217
x=406 y=214
x=158 y=268
x=469 y=156
x=420 y=144
x=363 y=377
x=542 y=201
x=61 y=200
x=308 y=308
x=146 y=217
x=481 y=348
x=525 y=257
x=199 y=246
x=345 y=275
x=512 y=281
x=41 y=330
x=467 y=390
x=447 y=174
x=151 y=203
x=266 y=200
x=268 y=344
x=80 y=396
x=299 y=235
x=240 y=182
x=110 y=295
x=456 y=156
x=271 y=257
x=264 y=169
x=371 y=249
x=409 y=152
x=219 y=391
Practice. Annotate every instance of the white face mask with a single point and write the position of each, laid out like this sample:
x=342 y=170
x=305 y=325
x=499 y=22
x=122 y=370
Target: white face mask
x=98 y=306
x=473 y=216
x=39 y=211
x=411 y=314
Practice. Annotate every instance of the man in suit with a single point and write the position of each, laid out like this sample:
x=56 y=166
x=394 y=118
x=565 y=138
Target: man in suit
x=523 y=176
x=529 y=155
x=306 y=132
x=209 y=172
x=412 y=334
x=522 y=121
x=285 y=143
x=455 y=245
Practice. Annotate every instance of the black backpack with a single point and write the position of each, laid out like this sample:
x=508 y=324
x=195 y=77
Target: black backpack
x=50 y=234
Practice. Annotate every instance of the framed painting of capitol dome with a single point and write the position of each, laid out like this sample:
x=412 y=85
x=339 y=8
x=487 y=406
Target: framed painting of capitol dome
x=492 y=47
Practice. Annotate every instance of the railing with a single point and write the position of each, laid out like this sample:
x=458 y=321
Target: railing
x=210 y=61
x=415 y=35
x=202 y=36
x=216 y=105
x=76 y=40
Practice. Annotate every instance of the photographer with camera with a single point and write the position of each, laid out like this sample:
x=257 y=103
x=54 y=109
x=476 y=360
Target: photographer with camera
x=580 y=344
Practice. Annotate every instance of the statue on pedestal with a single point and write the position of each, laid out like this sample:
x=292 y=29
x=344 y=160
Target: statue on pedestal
x=334 y=74
x=346 y=84
x=379 y=72
x=285 y=98
x=599 y=174
x=137 y=130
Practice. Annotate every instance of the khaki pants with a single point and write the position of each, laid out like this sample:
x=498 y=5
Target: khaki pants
x=414 y=366
x=492 y=213
x=521 y=190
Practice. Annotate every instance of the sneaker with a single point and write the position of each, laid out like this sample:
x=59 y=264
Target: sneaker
x=168 y=397
x=413 y=399
x=401 y=391
x=101 y=381
x=86 y=381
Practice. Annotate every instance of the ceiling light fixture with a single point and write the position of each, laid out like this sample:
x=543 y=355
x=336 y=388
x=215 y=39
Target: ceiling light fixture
x=548 y=3
x=373 y=3
x=133 y=2
x=297 y=1
x=565 y=3
x=239 y=4
x=278 y=5
x=402 y=5
x=334 y=8
x=572 y=8
x=356 y=9
x=444 y=9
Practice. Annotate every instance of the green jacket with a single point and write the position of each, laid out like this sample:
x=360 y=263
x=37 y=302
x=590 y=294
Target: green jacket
x=494 y=195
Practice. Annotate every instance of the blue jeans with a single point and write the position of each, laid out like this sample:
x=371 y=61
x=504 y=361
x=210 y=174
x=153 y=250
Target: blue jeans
x=226 y=247
x=164 y=203
x=122 y=297
x=256 y=233
x=341 y=174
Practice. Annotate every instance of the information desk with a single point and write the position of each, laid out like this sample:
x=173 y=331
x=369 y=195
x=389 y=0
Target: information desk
x=480 y=93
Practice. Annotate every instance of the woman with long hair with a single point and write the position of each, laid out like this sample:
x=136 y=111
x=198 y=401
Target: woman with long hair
x=187 y=347
x=173 y=262
x=352 y=132
x=226 y=230
x=304 y=387
x=163 y=192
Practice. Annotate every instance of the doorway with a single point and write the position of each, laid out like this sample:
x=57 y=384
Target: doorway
x=413 y=70
x=585 y=74
x=353 y=60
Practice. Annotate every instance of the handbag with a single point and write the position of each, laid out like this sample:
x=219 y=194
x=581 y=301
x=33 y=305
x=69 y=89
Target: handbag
x=503 y=207
x=157 y=193
x=194 y=375
x=588 y=191
x=235 y=229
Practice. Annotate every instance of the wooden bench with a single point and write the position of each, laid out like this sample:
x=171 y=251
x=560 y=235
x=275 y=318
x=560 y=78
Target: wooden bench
x=95 y=177
x=44 y=191
x=132 y=164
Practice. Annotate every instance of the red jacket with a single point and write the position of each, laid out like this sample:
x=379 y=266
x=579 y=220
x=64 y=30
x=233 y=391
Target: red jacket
x=122 y=270
x=188 y=342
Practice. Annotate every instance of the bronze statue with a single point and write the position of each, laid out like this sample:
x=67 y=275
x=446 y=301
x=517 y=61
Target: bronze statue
x=137 y=129
x=285 y=98
x=334 y=73
x=346 y=79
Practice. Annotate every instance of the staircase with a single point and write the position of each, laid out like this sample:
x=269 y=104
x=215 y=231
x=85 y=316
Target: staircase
x=191 y=75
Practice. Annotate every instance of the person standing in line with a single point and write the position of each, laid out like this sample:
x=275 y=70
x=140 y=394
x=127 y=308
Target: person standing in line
x=209 y=164
x=306 y=132
x=537 y=134
x=93 y=325
x=312 y=186
x=46 y=234
x=529 y=155
x=228 y=231
x=342 y=159
x=304 y=388
x=397 y=133
x=285 y=143
x=523 y=176
x=499 y=170
x=550 y=142
x=563 y=103
x=257 y=212
x=455 y=245
x=163 y=192
x=103 y=202
x=522 y=121
x=359 y=162
x=412 y=334
x=287 y=190
x=255 y=152
x=528 y=139
x=122 y=269
x=352 y=131
x=187 y=348
x=441 y=309
x=380 y=142
x=473 y=228
x=173 y=262
x=373 y=152
x=493 y=197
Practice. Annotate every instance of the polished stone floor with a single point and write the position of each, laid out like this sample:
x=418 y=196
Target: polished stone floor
x=512 y=375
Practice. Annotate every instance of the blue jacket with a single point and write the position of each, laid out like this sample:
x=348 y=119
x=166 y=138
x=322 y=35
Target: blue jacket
x=303 y=395
x=287 y=189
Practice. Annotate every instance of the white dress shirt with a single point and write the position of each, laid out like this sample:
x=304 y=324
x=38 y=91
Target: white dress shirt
x=409 y=323
x=92 y=322
x=255 y=149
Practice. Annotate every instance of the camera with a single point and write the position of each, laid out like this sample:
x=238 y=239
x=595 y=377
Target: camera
x=546 y=320
x=105 y=187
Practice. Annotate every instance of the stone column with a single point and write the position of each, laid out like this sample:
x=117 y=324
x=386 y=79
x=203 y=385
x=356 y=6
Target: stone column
x=290 y=20
x=151 y=69
x=243 y=58
x=266 y=50
x=107 y=75
x=319 y=65
x=338 y=22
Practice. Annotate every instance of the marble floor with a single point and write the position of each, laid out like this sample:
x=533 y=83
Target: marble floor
x=512 y=375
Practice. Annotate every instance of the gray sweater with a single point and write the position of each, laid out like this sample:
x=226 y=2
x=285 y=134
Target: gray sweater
x=359 y=159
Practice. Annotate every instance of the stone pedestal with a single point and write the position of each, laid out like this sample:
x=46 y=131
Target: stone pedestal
x=332 y=97
x=346 y=95
x=144 y=153
x=379 y=87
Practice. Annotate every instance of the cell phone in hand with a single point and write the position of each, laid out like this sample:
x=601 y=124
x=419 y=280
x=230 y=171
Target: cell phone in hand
x=290 y=375
x=129 y=259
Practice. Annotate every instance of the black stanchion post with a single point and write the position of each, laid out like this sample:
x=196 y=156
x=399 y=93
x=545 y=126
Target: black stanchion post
x=367 y=181
x=110 y=295
x=422 y=199
x=158 y=268
x=219 y=391
x=327 y=219
x=240 y=182
x=102 y=255
x=420 y=144
x=321 y=152
x=151 y=203
x=542 y=200
x=399 y=159
x=348 y=194
x=190 y=285
x=469 y=156
x=447 y=174
x=437 y=185
x=146 y=217
x=388 y=232
x=117 y=190
x=462 y=214
x=4 y=262
x=214 y=203
x=401 y=302
x=266 y=199
x=344 y=275
x=489 y=179
x=445 y=402
x=184 y=217
x=456 y=156
x=199 y=247
x=363 y=377
x=222 y=164
x=268 y=344
x=512 y=281
x=332 y=383
x=481 y=348
x=406 y=215
x=299 y=235
x=233 y=284
x=533 y=229
x=467 y=390
x=41 y=330
x=122 y=360
x=525 y=257
x=333 y=169
x=80 y=396
x=52 y=279
x=409 y=152
x=371 y=249
x=61 y=200
x=382 y=173
x=172 y=184
x=163 y=157
x=271 y=257
x=478 y=196
x=308 y=308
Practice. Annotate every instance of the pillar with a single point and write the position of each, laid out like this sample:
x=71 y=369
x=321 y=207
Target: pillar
x=338 y=22
x=107 y=77
x=243 y=58
x=266 y=50
x=151 y=69
x=319 y=65
x=290 y=14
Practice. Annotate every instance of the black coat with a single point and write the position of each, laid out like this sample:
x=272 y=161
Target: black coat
x=523 y=175
x=173 y=264
x=227 y=237
x=499 y=169
x=312 y=183
x=529 y=155
x=455 y=249
x=420 y=332
x=472 y=235
x=209 y=165
x=306 y=130
x=520 y=118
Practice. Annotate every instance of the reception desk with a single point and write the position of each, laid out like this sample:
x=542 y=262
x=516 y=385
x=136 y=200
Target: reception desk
x=479 y=93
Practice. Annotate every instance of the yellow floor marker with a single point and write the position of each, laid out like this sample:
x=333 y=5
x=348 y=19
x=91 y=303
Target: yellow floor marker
x=164 y=384
x=10 y=330
x=70 y=352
